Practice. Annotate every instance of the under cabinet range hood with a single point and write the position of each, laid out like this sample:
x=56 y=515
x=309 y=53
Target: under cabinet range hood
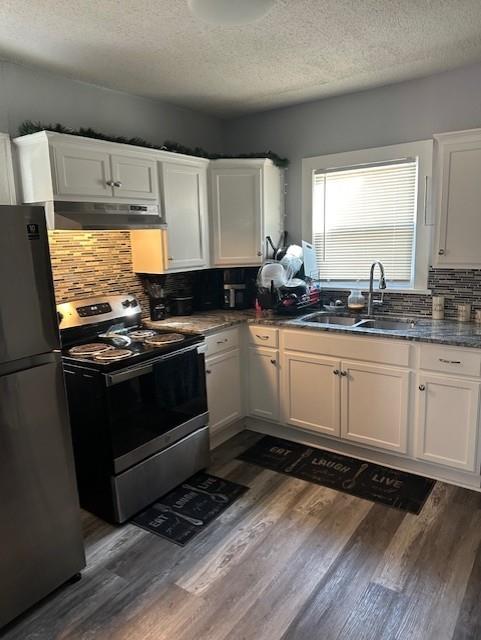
x=102 y=216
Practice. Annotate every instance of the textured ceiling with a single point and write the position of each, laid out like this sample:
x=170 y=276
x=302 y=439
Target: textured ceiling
x=302 y=50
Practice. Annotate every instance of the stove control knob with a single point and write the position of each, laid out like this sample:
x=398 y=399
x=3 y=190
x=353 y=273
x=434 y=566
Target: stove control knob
x=134 y=303
x=126 y=303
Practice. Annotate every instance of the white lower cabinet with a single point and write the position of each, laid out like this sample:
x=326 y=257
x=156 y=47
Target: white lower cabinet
x=310 y=392
x=374 y=405
x=263 y=382
x=447 y=421
x=224 y=394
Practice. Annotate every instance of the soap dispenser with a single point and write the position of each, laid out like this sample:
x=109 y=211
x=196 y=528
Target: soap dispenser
x=356 y=301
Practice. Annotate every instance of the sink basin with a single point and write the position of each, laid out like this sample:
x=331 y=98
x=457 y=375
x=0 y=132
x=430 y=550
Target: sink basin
x=387 y=324
x=322 y=318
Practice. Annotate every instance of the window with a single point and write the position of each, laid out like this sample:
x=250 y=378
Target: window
x=371 y=205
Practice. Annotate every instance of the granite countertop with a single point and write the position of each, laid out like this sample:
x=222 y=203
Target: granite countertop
x=447 y=332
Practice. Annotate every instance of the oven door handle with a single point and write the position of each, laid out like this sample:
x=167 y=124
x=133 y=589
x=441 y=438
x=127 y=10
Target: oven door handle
x=143 y=369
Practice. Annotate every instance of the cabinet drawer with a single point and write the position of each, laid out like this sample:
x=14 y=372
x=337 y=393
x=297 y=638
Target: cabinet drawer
x=447 y=360
x=221 y=341
x=264 y=336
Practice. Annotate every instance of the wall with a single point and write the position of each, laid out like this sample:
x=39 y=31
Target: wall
x=392 y=114
x=86 y=264
x=32 y=94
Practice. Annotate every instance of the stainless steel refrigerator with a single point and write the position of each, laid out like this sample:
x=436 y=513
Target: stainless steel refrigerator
x=40 y=535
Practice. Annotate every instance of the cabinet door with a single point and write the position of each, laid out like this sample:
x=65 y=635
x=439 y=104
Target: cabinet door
x=374 y=405
x=7 y=185
x=263 y=383
x=184 y=194
x=237 y=216
x=459 y=197
x=81 y=172
x=224 y=395
x=311 y=387
x=447 y=421
x=134 y=178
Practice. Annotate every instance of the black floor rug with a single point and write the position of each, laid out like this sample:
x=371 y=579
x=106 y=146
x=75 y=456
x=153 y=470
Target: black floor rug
x=374 y=482
x=189 y=508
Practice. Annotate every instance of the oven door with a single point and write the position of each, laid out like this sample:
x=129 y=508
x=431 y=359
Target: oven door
x=155 y=404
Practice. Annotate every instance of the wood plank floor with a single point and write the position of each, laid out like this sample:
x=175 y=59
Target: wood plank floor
x=288 y=561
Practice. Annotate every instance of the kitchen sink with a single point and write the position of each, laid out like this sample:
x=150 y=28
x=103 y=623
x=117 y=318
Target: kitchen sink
x=321 y=318
x=387 y=324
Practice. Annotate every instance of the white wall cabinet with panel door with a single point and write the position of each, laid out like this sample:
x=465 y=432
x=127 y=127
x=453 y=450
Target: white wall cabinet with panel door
x=245 y=207
x=458 y=199
x=184 y=245
x=7 y=181
x=184 y=193
x=311 y=392
x=55 y=166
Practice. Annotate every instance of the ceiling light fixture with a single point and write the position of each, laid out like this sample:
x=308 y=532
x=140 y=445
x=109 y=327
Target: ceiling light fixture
x=230 y=12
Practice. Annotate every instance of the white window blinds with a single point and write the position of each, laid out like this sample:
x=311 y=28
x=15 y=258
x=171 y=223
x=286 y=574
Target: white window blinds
x=367 y=213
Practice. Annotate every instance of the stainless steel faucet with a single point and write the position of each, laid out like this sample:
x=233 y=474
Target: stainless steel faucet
x=382 y=285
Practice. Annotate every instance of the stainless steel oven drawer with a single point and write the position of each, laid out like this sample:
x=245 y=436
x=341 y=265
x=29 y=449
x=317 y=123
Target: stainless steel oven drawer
x=141 y=485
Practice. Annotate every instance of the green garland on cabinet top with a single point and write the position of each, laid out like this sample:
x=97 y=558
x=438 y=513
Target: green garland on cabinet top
x=29 y=127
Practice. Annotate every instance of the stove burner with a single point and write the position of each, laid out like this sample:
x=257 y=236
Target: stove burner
x=141 y=334
x=90 y=349
x=164 y=338
x=112 y=355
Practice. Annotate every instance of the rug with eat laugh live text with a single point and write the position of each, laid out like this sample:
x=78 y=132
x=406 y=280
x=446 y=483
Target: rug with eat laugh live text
x=390 y=487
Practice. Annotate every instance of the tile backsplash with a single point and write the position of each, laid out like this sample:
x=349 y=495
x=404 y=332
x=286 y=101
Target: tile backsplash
x=456 y=285
x=99 y=262
x=88 y=263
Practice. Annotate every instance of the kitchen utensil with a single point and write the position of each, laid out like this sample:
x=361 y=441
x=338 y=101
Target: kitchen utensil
x=309 y=256
x=216 y=497
x=165 y=509
x=356 y=301
x=351 y=483
x=273 y=273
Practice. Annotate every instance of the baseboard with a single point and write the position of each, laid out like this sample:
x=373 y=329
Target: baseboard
x=451 y=476
x=227 y=432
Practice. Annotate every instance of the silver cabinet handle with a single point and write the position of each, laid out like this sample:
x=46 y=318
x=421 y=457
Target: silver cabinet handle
x=208 y=371
x=273 y=362
x=441 y=252
x=171 y=258
x=259 y=253
x=335 y=372
x=422 y=387
x=343 y=373
x=449 y=361
x=262 y=337
x=117 y=183
x=110 y=183
x=222 y=341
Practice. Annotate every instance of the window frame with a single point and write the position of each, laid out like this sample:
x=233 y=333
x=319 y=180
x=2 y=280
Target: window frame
x=422 y=151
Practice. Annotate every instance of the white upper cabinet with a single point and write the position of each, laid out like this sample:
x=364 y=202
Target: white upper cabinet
x=7 y=184
x=185 y=209
x=134 y=178
x=56 y=166
x=81 y=171
x=245 y=208
x=458 y=199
